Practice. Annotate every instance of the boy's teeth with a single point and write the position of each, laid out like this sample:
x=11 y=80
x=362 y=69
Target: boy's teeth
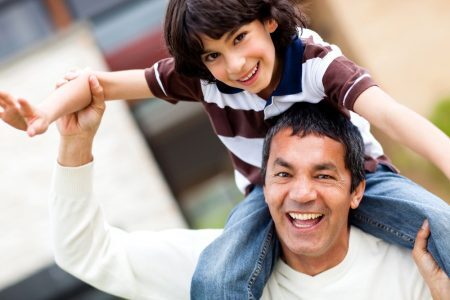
x=303 y=217
x=251 y=74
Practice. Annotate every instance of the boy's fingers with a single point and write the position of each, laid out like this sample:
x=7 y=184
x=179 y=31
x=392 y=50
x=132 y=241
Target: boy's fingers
x=7 y=99
x=25 y=108
x=37 y=127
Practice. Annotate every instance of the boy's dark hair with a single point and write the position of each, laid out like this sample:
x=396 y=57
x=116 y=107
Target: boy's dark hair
x=321 y=119
x=186 y=20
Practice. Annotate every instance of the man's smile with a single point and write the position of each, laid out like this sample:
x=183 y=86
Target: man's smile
x=304 y=220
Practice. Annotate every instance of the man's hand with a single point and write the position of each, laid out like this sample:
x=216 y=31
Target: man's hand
x=78 y=129
x=435 y=277
x=86 y=121
x=21 y=115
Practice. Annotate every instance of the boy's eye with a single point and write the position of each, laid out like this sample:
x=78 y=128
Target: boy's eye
x=239 y=38
x=211 y=57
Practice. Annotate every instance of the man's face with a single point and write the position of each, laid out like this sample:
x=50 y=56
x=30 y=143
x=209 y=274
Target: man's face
x=244 y=59
x=307 y=189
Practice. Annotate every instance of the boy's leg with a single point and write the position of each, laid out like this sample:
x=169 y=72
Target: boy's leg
x=239 y=262
x=393 y=208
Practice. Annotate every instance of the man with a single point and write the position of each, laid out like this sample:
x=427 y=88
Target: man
x=313 y=178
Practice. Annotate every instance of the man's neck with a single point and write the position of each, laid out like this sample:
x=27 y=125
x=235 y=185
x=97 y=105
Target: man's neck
x=314 y=265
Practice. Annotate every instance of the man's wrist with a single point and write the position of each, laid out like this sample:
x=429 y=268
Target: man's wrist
x=75 y=151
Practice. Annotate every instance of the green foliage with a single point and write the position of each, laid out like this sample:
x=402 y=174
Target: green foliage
x=441 y=115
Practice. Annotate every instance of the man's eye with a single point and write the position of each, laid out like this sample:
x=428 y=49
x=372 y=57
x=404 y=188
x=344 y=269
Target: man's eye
x=281 y=174
x=239 y=38
x=211 y=57
x=325 y=176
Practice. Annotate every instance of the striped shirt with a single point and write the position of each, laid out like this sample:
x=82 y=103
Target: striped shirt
x=313 y=71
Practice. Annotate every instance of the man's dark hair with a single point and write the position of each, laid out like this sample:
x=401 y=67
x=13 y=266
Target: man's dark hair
x=186 y=20
x=321 y=119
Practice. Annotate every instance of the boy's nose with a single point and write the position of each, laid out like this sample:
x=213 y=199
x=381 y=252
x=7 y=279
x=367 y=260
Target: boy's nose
x=235 y=64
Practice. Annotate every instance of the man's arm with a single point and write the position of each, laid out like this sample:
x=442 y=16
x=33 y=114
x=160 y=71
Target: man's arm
x=137 y=265
x=436 y=279
x=405 y=126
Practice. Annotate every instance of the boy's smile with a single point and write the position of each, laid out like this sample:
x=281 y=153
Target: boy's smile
x=244 y=58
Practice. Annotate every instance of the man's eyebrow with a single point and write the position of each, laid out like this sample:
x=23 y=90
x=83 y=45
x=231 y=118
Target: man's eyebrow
x=281 y=162
x=325 y=166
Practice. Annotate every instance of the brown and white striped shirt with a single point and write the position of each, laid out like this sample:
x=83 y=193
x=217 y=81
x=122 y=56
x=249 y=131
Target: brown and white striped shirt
x=313 y=71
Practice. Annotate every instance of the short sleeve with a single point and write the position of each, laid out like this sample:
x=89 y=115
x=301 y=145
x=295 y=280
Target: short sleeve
x=166 y=83
x=334 y=75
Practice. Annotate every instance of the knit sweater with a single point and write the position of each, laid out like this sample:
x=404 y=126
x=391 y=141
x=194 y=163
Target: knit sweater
x=159 y=264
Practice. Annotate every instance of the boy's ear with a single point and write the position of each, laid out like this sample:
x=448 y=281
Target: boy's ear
x=357 y=195
x=271 y=25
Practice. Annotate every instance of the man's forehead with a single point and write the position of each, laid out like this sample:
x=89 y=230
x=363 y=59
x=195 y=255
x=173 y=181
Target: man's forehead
x=289 y=148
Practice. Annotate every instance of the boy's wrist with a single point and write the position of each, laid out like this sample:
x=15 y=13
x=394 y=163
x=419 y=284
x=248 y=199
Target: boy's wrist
x=75 y=151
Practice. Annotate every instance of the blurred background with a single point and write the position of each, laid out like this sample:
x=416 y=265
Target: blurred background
x=143 y=175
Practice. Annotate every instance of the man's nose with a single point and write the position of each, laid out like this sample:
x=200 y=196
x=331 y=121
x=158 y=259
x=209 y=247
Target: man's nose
x=303 y=190
x=235 y=63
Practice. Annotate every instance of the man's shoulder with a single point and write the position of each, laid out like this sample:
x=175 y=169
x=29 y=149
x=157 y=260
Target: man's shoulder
x=373 y=243
x=381 y=254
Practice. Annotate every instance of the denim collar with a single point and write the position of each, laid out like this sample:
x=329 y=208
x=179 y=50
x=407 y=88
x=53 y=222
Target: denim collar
x=291 y=78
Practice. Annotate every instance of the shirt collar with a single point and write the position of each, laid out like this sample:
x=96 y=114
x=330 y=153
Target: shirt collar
x=291 y=78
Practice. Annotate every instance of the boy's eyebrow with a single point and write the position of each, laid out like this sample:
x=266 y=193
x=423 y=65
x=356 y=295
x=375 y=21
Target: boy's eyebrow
x=228 y=35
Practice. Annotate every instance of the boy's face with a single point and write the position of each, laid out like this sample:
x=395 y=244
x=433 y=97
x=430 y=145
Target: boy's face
x=244 y=59
x=307 y=189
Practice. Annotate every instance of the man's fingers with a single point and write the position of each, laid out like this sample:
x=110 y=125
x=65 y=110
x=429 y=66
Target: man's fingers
x=96 y=90
x=60 y=83
x=71 y=75
x=420 y=246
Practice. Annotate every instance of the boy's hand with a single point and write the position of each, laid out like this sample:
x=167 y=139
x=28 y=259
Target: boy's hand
x=436 y=279
x=21 y=115
x=11 y=111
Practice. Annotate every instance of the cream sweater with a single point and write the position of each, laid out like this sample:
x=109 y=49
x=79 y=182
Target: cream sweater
x=159 y=265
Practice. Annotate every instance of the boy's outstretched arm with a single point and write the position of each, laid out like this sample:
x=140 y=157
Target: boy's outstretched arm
x=405 y=126
x=72 y=97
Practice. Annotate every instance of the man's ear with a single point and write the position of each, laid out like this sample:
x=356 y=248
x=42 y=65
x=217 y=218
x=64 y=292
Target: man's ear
x=271 y=25
x=357 y=194
x=264 y=191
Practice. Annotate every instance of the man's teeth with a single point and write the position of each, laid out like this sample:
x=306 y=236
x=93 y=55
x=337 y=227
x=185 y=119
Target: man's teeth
x=250 y=75
x=303 y=217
